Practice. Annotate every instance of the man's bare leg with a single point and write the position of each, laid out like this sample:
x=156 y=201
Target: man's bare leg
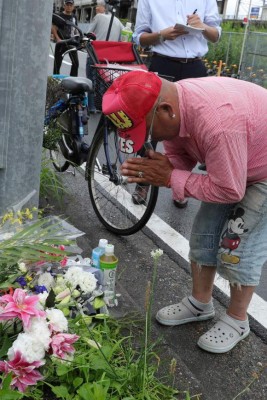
x=240 y=298
x=239 y=301
x=203 y=278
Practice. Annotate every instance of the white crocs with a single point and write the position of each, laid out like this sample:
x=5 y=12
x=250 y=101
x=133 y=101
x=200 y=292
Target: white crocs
x=182 y=313
x=223 y=336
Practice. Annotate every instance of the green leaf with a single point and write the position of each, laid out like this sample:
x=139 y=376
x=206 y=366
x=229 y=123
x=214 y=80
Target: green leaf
x=50 y=300
x=98 y=303
x=97 y=362
x=6 y=393
x=77 y=382
x=101 y=316
x=94 y=391
x=10 y=395
x=6 y=381
x=62 y=369
x=6 y=344
x=61 y=392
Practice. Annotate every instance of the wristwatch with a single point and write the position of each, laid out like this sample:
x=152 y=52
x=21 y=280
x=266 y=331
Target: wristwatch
x=161 y=38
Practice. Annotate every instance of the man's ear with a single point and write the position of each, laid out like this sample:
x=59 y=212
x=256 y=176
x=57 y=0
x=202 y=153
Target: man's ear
x=165 y=108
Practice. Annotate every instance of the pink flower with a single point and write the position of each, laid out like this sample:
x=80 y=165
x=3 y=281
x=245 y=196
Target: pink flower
x=21 y=306
x=61 y=344
x=63 y=262
x=23 y=373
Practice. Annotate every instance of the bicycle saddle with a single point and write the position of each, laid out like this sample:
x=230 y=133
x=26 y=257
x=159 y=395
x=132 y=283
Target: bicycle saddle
x=76 y=85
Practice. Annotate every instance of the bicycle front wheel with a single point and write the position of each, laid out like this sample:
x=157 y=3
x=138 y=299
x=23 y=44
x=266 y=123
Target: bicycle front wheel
x=110 y=194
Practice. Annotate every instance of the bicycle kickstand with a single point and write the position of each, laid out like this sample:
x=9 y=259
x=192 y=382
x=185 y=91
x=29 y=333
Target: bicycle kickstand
x=73 y=172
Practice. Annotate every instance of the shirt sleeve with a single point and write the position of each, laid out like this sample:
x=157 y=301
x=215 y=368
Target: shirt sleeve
x=177 y=154
x=212 y=17
x=225 y=181
x=143 y=20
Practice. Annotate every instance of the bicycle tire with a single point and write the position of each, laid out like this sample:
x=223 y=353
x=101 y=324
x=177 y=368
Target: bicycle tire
x=113 y=203
x=58 y=160
x=64 y=124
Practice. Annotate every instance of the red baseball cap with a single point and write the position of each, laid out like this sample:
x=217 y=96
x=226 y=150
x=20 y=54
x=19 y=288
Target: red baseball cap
x=127 y=102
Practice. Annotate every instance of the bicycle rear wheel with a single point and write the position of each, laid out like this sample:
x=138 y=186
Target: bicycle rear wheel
x=63 y=141
x=111 y=197
x=58 y=160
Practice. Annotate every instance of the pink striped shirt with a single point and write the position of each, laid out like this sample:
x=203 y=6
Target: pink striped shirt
x=223 y=124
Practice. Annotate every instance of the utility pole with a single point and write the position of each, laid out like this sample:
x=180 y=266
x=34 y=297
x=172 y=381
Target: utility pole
x=24 y=45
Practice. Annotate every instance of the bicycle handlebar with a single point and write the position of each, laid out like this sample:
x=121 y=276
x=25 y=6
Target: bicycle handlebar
x=60 y=22
x=73 y=41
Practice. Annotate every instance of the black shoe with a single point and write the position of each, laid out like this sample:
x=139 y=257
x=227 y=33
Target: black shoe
x=140 y=194
x=180 y=204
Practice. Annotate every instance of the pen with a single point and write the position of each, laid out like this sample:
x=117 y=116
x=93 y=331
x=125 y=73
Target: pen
x=193 y=14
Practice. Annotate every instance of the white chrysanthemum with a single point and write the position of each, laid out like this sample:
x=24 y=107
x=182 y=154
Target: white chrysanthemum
x=29 y=346
x=156 y=253
x=76 y=276
x=57 y=319
x=39 y=329
x=73 y=275
x=47 y=280
x=87 y=282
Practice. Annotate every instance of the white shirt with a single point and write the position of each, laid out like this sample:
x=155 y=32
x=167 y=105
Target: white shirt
x=155 y=15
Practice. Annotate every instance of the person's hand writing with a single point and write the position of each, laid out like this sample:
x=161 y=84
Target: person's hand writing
x=195 y=21
x=154 y=169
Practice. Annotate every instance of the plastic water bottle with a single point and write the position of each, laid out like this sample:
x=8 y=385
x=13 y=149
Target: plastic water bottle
x=127 y=33
x=108 y=266
x=97 y=252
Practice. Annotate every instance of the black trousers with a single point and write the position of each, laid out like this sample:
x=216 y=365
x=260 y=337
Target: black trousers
x=175 y=70
x=59 y=50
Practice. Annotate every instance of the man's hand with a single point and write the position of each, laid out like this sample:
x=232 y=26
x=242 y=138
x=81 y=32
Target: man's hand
x=154 y=169
x=195 y=21
x=172 y=33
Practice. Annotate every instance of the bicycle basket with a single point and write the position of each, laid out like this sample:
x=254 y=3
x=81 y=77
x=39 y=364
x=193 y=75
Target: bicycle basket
x=103 y=76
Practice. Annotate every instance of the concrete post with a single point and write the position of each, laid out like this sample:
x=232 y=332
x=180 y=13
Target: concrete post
x=24 y=47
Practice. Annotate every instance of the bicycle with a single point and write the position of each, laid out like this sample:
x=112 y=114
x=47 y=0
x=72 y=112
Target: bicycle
x=109 y=191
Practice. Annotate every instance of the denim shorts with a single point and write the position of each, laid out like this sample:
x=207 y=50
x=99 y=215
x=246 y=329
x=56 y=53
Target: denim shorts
x=233 y=237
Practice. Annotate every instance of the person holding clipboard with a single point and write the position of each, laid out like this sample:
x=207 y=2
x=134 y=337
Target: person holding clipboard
x=178 y=33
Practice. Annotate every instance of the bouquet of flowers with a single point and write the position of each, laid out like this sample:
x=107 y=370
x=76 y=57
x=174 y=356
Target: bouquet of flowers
x=40 y=286
x=33 y=318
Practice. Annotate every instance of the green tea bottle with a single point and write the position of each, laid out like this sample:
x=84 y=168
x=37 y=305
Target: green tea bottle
x=108 y=266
